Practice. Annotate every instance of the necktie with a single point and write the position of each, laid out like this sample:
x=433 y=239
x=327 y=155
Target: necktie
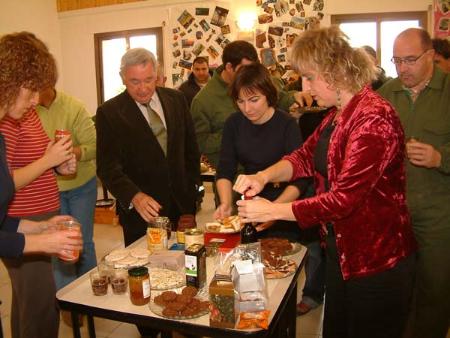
x=157 y=127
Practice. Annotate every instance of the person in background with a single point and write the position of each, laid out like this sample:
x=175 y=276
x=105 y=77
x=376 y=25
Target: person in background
x=381 y=74
x=198 y=78
x=257 y=136
x=26 y=68
x=77 y=193
x=212 y=105
x=442 y=54
x=421 y=96
x=356 y=156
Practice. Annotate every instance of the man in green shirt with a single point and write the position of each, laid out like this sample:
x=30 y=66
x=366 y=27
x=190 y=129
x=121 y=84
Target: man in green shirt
x=421 y=97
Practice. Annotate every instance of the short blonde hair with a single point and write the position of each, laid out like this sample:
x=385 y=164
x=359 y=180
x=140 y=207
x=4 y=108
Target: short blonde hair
x=328 y=52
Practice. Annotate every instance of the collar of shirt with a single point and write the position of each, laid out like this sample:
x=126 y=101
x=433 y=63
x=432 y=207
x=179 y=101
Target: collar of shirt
x=156 y=105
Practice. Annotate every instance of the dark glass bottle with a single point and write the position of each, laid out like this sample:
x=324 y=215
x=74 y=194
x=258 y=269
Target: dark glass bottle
x=248 y=232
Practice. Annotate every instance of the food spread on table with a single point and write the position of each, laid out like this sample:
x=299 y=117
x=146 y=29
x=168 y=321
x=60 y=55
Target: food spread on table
x=236 y=296
x=231 y=224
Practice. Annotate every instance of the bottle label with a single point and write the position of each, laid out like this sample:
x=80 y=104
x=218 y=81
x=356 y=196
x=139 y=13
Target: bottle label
x=146 y=288
x=191 y=265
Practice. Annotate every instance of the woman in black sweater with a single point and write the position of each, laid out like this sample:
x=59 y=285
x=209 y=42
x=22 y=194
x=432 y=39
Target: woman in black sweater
x=255 y=137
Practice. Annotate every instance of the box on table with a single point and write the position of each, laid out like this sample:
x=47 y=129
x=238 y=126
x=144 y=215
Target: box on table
x=225 y=242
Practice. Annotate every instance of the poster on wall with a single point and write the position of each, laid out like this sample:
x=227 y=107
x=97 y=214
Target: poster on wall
x=442 y=19
x=198 y=31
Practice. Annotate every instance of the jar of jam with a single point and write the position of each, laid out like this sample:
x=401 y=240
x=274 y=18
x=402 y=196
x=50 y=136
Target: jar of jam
x=139 y=282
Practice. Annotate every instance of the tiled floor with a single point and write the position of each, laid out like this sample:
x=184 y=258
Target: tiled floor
x=108 y=237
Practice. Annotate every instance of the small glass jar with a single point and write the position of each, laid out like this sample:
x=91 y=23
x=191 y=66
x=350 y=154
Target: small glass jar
x=158 y=233
x=139 y=281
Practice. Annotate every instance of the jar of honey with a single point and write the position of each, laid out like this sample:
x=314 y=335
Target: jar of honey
x=139 y=282
x=158 y=233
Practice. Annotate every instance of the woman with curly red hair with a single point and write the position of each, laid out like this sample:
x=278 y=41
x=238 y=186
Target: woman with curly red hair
x=26 y=67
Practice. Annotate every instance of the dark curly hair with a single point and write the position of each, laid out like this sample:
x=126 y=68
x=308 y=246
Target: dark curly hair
x=24 y=62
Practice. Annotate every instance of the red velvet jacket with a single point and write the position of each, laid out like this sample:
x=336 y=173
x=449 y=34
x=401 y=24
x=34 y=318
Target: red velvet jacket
x=366 y=202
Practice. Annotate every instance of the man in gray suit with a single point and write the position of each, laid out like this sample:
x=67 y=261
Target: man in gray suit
x=147 y=154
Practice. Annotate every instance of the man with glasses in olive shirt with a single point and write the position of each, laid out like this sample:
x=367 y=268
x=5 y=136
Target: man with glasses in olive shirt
x=421 y=97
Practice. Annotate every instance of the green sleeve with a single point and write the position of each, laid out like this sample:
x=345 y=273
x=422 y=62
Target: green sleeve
x=85 y=135
x=445 y=158
x=208 y=140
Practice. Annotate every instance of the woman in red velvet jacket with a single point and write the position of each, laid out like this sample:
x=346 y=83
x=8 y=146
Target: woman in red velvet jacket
x=356 y=157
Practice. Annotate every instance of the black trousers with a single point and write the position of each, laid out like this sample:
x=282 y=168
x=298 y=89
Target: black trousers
x=376 y=306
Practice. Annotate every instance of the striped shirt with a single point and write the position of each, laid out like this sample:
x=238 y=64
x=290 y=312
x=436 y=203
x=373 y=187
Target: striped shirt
x=26 y=141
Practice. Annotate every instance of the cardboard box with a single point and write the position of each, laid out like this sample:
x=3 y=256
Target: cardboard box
x=226 y=242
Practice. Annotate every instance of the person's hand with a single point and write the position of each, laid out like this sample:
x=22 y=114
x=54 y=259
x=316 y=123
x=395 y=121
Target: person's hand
x=264 y=226
x=51 y=224
x=255 y=210
x=422 y=154
x=303 y=99
x=68 y=167
x=61 y=242
x=146 y=206
x=250 y=184
x=222 y=211
x=59 y=152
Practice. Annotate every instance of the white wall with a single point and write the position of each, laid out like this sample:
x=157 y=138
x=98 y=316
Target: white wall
x=37 y=16
x=70 y=35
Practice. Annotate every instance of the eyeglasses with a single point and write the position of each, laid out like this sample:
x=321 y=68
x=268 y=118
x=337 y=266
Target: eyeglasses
x=409 y=60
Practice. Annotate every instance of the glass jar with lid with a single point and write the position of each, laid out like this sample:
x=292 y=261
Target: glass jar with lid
x=139 y=282
x=158 y=233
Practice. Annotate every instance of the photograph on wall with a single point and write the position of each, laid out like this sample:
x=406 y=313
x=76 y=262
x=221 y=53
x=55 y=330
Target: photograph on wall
x=264 y=18
x=202 y=11
x=271 y=41
x=205 y=26
x=281 y=7
x=299 y=6
x=219 y=16
x=275 y=30
x=212 y=52
x=199 y=35
x=225 y=29
x=185 y=19
x=187 y=43
x=260 y=38
x=267 y=56
x=176 y=53
x=318 y=5
x=281 y=58
x=298 y=22
x=441 y=19
x=185 y=64
x=187 y=54
x=268 y=9
x=198 y=48
x=176 y=79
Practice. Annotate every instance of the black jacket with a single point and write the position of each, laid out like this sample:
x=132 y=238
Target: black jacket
x=130 y=159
